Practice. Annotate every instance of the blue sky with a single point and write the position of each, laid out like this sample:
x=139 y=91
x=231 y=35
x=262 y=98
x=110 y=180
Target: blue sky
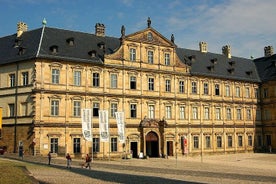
x=246 y=25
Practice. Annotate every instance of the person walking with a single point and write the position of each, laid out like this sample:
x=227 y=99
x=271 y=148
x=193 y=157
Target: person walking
x=88 y=161
x=49 y=158
x=68 y=160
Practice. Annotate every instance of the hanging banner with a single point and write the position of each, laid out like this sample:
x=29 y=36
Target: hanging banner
x=86 y=120
x=120 y=116
x=103 y=125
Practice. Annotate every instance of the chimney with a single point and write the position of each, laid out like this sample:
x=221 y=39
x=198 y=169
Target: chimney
x=99 y=29
x=21 y=28
x=226 y=50
x=268 y=51
x=203 y=47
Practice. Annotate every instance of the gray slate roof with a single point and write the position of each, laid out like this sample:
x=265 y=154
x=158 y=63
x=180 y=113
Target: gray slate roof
x=37 y=44
x=266 y=67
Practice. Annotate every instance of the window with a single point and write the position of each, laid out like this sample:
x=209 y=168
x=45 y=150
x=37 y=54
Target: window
x=167 y=59
x=195 y=112
x=259 y=140
x=239 y=114
x=250 y=140
x=194 y=87
x=96 y=145
x=238 y=92
x=77 y=109
x=240 y=141
x=196 y=142
x=96 y=107
x=25 y=78
x=258 y=115
x=257 y=93
x=247 y=92
x=54 y=145
x=181 y=87
x=12 y=110
x=227 y=90
x=181 y=112
x=218 y=115
x=151 y=111
x=96 y=80
x=150 y=57
x=205 y=89
x=113 y=144
x=54 y=107
x=228 y=114
x=207 y=141
x=77 y=78
x=265 y=95
x=168 y=85
x=132 y=54
x=168 y=112
x=113 y=81
x=113 y=109
x=132 y=82
x=12 y=80
x=151 y=84
x=133 y=111
x=76 y=145
x=248 y=114
x=229 y=141
x=55 y=76
x=216 y=89
x=206 y=113
x=219 y=141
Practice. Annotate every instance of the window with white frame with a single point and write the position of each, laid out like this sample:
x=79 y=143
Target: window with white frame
x=25 y=78
x=229 y=141
x=195 y=113
x=114 y=145
x=238 y=91
x=247 y=92
x=239 y=115
x=77 y=78
x=132 y=54
x=54 y=107
x=151 y=84
x=228 y=113
x=196 y=142
x=133 y=111
x=206 y=113
x=113 y=80
x=96 y=80
x=168 y=85
x=167 y=59
x=227 y=90
x=96 y=145
x=54 y=145
x=181 y=112
x=240 y=142
x=194 y=87
x=76 y=145
x=219 y=141
x=150 y=57
x=96 y=108
x=205 y=88
x=248 y=114
x=181 y=87
x=217 y=89
x=132 y=82
x=55 y=76
x=218 y=115
x=168 y=112
x=12 y=80
x=113 y=109
x=77 y=109
x=207 y=141
x=250 y=140
x=151 y=111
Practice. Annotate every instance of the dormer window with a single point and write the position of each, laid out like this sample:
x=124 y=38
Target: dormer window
x=70 y=41
x=150 y=37
x=231 y=70
x=232 y=63
x=101 y=45
x=17 y=42
x=21 y=50
x=192 y=57
x=92 y=53
x=211 y=68
x=214 y=61
x=54 y=49
x=249 y=73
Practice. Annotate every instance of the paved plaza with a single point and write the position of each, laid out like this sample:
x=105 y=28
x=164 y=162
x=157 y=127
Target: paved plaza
x=228 y=168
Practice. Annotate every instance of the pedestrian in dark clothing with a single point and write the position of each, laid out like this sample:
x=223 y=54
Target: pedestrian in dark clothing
x=49 y=158
x=88 y=161
x=69 y=160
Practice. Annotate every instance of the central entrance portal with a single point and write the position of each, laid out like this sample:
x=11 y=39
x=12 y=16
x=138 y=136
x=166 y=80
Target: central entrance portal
x=152 y=145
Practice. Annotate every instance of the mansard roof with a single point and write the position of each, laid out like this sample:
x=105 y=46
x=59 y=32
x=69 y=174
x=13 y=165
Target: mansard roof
x=266 y=67
x=60 y=44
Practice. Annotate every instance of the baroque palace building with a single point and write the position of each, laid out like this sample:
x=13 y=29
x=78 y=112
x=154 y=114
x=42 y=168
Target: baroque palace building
x=176 y=101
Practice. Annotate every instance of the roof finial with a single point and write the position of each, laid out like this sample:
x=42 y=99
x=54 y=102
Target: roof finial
x=44 y=22
x=149 y=22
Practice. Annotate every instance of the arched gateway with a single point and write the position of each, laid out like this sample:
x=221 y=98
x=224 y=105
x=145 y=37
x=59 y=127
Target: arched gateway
x=152 y=137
